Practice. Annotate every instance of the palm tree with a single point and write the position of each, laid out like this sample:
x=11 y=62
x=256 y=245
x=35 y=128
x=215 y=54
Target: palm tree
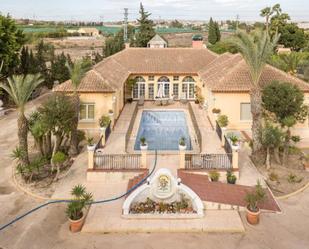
x=256 y=48
x=77 y=72
x=289 y=62
x=268 y=12
x=20 y=88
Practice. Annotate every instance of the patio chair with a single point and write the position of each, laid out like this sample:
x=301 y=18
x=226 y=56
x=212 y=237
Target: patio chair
x=171 y=100
x=141 y=101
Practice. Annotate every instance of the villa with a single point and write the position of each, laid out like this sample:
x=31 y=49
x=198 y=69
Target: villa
x=222 y=80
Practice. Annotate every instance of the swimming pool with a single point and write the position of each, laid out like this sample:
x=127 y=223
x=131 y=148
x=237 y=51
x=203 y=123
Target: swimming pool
x=162 y=130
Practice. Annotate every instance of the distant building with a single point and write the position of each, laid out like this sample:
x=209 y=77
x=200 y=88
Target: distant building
x=89 y=32
x=157 y=42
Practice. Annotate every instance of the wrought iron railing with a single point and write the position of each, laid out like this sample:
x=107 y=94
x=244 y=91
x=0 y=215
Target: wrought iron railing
x=129 y=131
x=117 y=161
x=228 y=148
x=195 y=126
x=218 y=130
x=208 y=161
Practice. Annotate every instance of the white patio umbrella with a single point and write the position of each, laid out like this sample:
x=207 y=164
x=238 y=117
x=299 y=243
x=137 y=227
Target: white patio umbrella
x=160 y=93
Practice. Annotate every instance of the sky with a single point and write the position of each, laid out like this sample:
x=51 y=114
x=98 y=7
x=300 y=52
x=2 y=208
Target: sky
x=112 y=10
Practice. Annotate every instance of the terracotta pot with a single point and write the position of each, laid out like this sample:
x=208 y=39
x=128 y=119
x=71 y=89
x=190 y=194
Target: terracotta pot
x=76 y=225
x=253 y=218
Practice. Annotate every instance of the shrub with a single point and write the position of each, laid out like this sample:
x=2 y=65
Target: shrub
x=255 y=197
x=234 y=139
x=143 y=141
x=104 y=121
x=214 y=176
x=292 y=178
x=59 y=158
x=230 y=177
x=81 y=199
x=182 y=141
x=90 y=141
x=273 y=177
x=216 y=110
x=223 y=121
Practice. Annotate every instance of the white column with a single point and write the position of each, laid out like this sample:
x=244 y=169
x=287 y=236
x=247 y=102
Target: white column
x=144 y=159
x=182 y=154
x=235 y=159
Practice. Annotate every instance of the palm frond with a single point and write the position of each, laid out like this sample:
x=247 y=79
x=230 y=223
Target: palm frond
x=256 y=48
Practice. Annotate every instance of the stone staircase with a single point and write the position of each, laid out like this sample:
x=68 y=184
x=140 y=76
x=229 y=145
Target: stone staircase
x=137 y=179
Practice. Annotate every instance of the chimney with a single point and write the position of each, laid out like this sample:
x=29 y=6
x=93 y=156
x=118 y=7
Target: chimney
x=197 y=41
x=127 y=45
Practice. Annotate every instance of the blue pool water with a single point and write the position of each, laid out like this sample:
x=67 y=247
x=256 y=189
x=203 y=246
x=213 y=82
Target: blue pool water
x=162 y=130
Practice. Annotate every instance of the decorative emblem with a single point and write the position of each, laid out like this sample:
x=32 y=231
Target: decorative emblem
x=164 y=184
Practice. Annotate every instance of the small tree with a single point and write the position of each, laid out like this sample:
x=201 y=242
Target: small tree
x=271 y=138
x=285 y=102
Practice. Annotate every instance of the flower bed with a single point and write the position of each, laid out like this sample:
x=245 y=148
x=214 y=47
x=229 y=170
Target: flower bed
x=150 y=207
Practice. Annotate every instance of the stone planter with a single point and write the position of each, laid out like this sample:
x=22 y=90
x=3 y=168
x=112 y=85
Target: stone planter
x=144 y=147
x=76 y=225
x=102 y=129
x=235 y=147
x=216 y=115
x=182 y=147
x=111 y=115
x=91 y=147
x=253 y=218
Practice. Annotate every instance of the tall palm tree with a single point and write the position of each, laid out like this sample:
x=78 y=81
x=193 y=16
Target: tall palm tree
x=20 y=88
x=77 y=72
x=268 y=12
x=256 y=48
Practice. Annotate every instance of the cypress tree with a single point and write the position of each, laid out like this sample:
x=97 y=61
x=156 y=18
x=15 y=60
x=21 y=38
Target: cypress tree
x=217 y=32
x=212 y=34
x=145 y=29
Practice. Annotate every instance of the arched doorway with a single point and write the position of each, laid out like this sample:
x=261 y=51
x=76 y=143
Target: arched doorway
x=188 y=85
x=164 y=82
x=138 y=88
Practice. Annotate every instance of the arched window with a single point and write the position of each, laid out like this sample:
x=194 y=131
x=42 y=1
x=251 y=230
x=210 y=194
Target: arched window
x=163 y=79
x=188 y=79
x=164 y=83
x=139 y=87
x=139 y=79
x=188 y=85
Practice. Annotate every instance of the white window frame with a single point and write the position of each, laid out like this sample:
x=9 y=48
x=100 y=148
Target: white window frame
x=240 y=112
x=87 y=112
x=151 y=78
x=176 y=78
x=139 y=85
x=177 y=87
x=151 y=86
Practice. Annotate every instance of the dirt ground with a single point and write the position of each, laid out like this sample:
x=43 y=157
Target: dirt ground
x=48 y=228
x=284 y=180
x=76 y=47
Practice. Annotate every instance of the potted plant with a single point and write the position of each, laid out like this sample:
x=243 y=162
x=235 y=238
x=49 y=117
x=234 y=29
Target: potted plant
x=252 y=199
x=182 y=143
x=230 y=177
x=216 y=112
x=223 y=121
x=110 y=113
x=143 y=143
x=90 y=144
x=77 y=209
x=104 y=121
x=235 y=142
x=214 y=176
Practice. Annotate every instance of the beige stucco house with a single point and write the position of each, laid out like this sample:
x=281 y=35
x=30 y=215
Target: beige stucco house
x=89 y=31
x=223 y=80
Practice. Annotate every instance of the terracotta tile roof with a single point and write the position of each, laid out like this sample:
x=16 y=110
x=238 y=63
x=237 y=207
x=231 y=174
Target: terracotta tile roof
x=224 y=73
x=231 y=74
x=218 y=192
x=112 y=72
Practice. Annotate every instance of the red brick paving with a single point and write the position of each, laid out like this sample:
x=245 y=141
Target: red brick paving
x=136 y=179
x=231 y=194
